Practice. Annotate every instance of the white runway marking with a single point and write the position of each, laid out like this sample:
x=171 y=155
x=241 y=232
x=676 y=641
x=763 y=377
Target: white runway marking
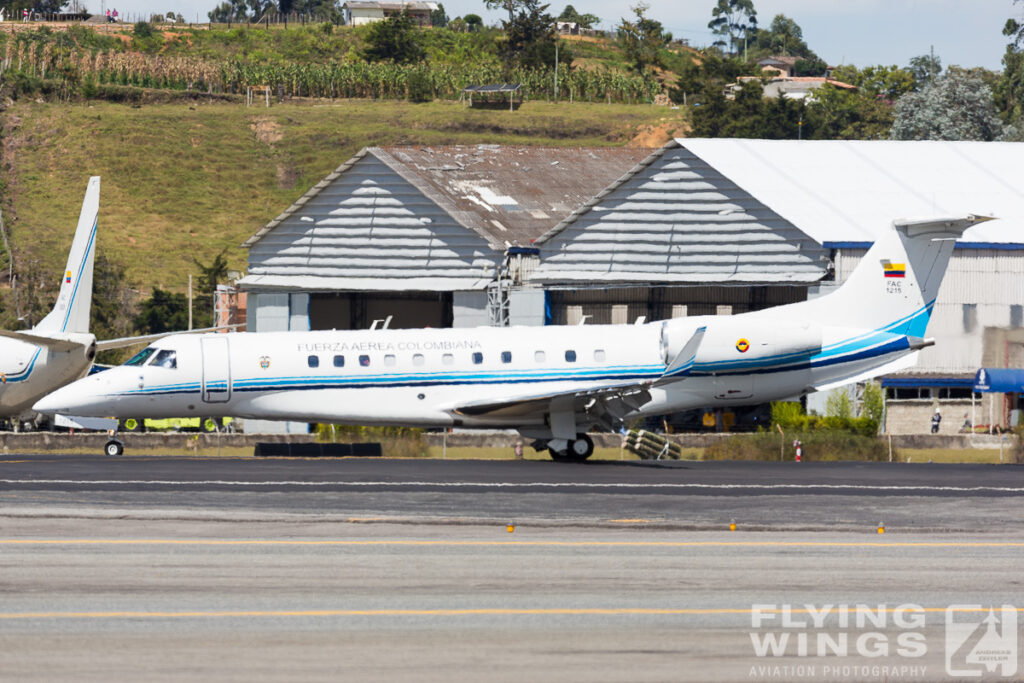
x=517 y=485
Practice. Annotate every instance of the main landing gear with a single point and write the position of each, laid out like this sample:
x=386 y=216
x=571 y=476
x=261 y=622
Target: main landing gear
x=575 y=450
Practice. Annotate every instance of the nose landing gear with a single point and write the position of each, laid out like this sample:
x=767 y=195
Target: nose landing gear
x=575 y=450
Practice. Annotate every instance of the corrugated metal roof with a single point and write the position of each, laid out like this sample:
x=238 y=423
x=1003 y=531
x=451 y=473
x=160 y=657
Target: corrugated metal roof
x=677 y=219
x=849 y=191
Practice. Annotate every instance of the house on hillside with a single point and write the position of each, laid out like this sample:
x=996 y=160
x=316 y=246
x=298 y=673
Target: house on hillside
x=783 y=66
x=790 y=87
x=358 y=12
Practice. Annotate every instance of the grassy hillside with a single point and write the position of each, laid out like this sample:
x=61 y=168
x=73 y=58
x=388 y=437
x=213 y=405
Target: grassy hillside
x=186 y=180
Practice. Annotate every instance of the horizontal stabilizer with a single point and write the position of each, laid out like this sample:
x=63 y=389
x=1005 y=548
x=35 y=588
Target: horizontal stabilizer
x=46 y=342
x=953 y=227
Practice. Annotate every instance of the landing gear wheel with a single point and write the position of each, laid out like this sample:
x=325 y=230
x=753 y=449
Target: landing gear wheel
x=577 y=450
x=113 y=447
x=580 y=448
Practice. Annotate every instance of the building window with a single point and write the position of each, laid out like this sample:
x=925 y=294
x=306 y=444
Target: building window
x=364 y=361
x=540 y=356
x=448 y=359
x=418 y=359
x=570 y=356
x=506 y=356
x=970 y=317
x=339 y=361
x=573 y=315
x=678 y=310
x=599 y=355
x=620 y=314
x=313 y=361
x=723 y=309
x=478 y=358
x=1016 y=315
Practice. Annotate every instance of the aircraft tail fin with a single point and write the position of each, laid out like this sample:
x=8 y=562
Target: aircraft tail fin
x=894 y=287
x=71 y=312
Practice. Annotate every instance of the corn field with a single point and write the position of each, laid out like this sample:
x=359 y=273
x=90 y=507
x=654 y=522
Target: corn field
x=43 y=59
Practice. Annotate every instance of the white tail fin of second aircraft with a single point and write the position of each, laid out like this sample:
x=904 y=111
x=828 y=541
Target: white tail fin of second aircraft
x=894 y=287
x=71 y=312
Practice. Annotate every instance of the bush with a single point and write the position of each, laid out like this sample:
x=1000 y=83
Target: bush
x=418 y=86
x=142 y=29
x=818 y=445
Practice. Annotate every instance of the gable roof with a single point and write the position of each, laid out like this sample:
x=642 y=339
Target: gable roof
x=677 y=219
x=505 y=194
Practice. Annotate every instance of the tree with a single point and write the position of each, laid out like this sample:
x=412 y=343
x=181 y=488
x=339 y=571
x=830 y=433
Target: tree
x=393 y=40
x=584 y=20
x=643 y=39
x=783 y=37
x=530 y=35
x=209 y=277
x=957 y=106
x=438 y=17
x=162 y=312
x=810 y=67
x=1009 y=91
x=885 y=82
x=925 y=69
x=113 y=307
x=473 y=22
x=735 y=20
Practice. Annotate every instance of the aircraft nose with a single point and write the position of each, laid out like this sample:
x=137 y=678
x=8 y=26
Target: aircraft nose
x=69 y=399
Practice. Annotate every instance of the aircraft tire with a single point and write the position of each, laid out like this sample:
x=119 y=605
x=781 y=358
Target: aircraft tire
x=113 y=448
x=580 y=449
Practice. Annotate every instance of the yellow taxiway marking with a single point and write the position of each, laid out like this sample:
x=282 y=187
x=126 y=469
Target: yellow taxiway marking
x=524 y=543
x=499 y=611
x=630 y=521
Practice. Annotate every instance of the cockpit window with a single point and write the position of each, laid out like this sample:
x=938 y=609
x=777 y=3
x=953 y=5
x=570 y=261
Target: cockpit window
x=166 y=359
x=142 y=356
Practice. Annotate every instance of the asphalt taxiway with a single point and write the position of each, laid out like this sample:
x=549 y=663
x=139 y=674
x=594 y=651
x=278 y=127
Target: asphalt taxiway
x=177 y=568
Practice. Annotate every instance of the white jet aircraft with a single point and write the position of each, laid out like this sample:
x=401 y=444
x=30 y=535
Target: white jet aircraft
x=550 y=383
x=60 y=348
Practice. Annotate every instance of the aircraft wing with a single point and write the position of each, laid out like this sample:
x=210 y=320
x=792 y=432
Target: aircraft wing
x=46 y=342
x=145 y=339
x=608 y=403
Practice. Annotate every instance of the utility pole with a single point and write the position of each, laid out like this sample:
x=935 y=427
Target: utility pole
x=931 y=67
x=556 y=65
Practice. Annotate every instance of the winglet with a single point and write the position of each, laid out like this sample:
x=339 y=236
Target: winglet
x=684 y=360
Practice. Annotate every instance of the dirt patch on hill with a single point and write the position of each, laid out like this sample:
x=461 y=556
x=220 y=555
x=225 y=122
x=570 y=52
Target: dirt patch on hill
x=658 y=135
x=267 y=131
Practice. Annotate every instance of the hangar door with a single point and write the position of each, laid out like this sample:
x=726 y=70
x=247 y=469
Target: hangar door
x=357 y=311
x=216 y=369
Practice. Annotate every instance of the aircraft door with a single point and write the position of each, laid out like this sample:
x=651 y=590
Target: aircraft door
x=216 y=369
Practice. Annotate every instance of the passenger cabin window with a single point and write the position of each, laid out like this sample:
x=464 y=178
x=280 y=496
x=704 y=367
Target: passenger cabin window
x=506 y=356
x=539 y=356
x=339 y=361
x=418 y=359
x=599 y=355
x=313 y=361
x=166 y=359
x=448 y=359
x=141 y=357
x=364 y=361
x=389 y=360
x=570 y=356
x=478 y=358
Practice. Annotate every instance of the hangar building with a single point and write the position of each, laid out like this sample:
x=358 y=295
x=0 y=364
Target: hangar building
x=488 y=234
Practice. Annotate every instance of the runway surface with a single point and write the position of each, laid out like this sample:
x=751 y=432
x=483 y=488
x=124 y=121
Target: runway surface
x=790 y=496
x=169 y=568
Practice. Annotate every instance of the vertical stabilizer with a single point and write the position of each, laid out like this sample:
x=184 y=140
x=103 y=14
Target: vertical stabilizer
x=71 y=312
x=895 y=286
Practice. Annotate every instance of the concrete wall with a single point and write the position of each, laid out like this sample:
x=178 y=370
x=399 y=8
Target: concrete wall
x=915 y=417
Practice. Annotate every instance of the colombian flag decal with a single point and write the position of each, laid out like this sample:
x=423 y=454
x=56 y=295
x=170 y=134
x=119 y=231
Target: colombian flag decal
x=742 y=345
x=895 y=269
x=67 y=276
